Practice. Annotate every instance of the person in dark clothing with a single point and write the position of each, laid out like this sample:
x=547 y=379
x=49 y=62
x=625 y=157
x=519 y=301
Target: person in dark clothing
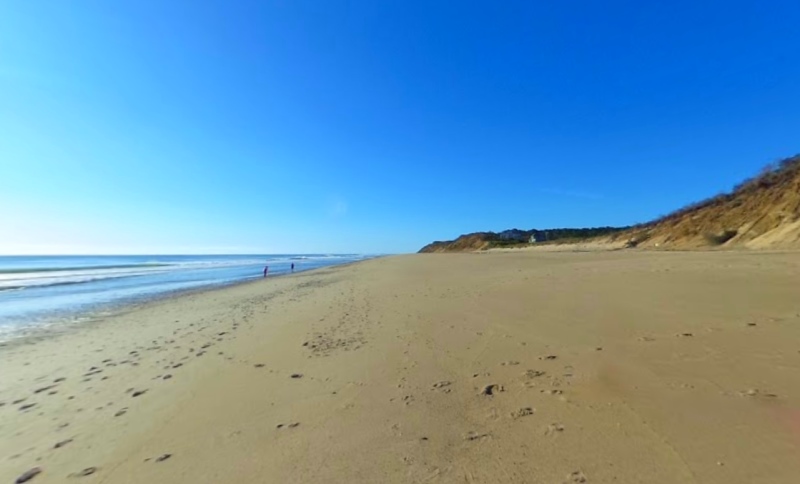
x=292 y=266
x=266 y=269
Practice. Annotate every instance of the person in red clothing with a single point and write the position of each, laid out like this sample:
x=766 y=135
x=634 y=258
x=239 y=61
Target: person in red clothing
x=266 y=269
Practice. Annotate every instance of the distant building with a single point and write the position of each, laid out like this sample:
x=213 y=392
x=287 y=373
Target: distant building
x=513 y=234
x=537 y=237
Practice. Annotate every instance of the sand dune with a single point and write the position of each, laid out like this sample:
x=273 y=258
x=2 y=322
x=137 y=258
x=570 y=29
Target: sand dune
x=598 y=367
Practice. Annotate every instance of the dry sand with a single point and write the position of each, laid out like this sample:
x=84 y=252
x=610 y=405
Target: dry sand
x=624 y=367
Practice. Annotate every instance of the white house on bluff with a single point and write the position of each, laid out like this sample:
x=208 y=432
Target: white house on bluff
x=537 y=237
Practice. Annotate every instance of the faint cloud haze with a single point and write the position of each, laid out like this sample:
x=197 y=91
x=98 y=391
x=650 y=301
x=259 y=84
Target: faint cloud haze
x=338 y=207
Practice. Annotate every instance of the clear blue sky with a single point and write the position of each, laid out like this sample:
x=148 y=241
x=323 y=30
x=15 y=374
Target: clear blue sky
x=368 y=126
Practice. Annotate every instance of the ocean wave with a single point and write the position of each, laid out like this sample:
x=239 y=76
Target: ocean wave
x=84 y=284
x=28 y=278
x=31 y=276
x=61 y=282
x=11 y=288
x=15 y=278
x=80 y=268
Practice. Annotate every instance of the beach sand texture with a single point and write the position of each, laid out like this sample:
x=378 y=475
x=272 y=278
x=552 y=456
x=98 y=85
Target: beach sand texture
x=512 y=367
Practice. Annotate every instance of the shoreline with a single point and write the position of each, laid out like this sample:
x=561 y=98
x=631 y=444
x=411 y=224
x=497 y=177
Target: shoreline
x=70 y=320
x=511 y=367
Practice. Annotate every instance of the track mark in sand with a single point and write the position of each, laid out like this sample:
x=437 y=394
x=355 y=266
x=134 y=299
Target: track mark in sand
x=443 y=386
x=473 y=436
x=576 y=477
x=346 y=334
x=522 y=412
x=531 y=374
x=554 y=429
x=396 y=430
x=289 y=426
x=755 y=392
x=492 y=389
x=84 y=473
x=493 y=414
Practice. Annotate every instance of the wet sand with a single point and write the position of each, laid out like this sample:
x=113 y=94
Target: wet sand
x=523 y=366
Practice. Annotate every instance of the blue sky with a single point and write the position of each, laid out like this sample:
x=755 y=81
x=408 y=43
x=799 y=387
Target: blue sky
x=363 y=126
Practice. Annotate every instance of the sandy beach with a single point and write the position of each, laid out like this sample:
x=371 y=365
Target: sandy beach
x=512 y=367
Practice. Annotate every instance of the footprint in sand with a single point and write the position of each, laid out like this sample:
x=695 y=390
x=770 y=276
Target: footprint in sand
x=576 y=476
x=492 y=389
x=554 y=429
x=522 y=412
x=530 y=374
x=442 y=386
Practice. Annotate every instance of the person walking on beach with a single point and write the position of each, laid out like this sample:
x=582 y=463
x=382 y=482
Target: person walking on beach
x=292 y=266
x=266 y=268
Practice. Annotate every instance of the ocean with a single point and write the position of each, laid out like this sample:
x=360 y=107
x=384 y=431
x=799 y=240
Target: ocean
x=39 y=291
